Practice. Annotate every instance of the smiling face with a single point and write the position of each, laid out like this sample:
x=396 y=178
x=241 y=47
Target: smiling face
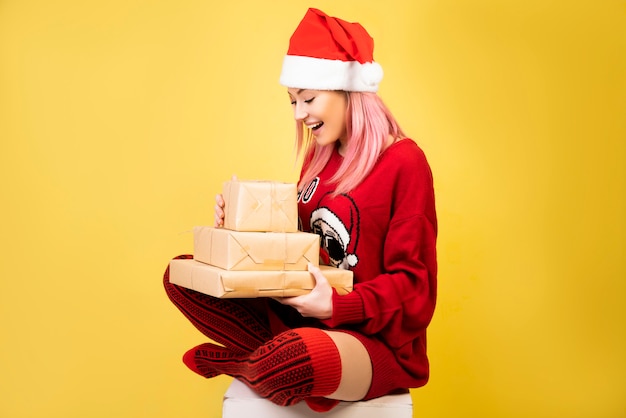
x=323 y=111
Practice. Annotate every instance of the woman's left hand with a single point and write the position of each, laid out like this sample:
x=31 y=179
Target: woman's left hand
x=317 y=304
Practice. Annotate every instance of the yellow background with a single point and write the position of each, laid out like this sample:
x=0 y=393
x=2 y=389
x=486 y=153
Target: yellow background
x=119 y=120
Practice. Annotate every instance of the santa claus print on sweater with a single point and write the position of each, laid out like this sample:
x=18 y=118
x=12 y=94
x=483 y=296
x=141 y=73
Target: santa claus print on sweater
x=339 y=230
x=338 y=227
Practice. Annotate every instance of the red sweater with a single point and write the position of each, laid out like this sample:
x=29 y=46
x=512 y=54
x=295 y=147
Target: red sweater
x=384 y=231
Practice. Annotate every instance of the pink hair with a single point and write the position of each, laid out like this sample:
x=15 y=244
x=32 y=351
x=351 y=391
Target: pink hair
x=369 y=123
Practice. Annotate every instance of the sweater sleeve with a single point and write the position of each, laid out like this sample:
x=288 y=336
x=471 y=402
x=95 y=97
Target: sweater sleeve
x=399 y=303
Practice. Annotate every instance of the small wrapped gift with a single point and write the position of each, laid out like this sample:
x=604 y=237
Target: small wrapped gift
x=222 y=283
x=261 y=206
x=234 y=250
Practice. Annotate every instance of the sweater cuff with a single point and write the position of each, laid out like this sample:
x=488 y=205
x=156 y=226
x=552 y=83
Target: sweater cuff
x=347 y=309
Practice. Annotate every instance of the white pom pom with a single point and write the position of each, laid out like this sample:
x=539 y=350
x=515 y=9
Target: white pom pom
x=371 y=73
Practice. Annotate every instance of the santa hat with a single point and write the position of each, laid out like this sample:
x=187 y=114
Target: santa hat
x=327 y=53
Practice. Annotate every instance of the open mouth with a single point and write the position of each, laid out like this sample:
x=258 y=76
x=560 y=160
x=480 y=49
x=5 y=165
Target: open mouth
x=316 y=126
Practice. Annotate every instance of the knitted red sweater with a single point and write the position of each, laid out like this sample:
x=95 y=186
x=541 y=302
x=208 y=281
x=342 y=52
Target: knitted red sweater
x=384 y=231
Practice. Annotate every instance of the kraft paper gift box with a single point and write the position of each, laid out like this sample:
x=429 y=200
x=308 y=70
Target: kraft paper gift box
x=221 y=283
x=234 y=250
x=261 y=206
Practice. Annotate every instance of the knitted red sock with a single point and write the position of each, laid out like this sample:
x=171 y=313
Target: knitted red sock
x=241 y=325
x=298 y=364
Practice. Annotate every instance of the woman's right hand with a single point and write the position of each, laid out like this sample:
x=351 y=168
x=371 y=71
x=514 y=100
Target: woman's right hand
x=219 y=207
x=219 y=211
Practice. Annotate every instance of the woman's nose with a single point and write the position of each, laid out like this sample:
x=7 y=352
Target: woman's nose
x=298 y=112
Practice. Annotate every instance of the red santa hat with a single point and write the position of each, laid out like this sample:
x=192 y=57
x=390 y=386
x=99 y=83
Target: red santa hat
x=327 y=53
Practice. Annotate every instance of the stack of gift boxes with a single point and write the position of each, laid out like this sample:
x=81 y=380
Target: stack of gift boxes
x=259 y=250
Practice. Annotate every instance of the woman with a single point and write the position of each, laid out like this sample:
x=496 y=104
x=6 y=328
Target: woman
x=367 y=190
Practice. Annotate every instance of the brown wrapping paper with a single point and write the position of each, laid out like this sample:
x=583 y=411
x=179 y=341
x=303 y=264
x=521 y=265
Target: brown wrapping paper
x=261 y=206
x=222 y=283
x=234 y=250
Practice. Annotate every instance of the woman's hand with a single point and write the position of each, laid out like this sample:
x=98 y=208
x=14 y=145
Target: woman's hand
x=219 y=207
x=219 y=210
x=317 y=304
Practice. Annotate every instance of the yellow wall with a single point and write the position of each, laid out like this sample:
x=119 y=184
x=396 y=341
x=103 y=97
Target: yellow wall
x=119 y=120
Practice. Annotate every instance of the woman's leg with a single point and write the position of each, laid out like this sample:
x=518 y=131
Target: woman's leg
x=299 y=364
x=356 y=367
x=319 y=367
x=241 y=325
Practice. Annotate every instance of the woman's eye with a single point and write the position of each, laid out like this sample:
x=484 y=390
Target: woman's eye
x=309 y=101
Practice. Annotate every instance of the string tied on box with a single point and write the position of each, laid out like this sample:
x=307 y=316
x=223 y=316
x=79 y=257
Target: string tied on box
x=282 y=204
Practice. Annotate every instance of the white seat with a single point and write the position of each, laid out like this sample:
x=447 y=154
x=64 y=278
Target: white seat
x=241 y=402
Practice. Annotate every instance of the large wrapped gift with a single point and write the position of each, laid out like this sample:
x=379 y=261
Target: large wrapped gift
x=262 y=206
x=234 y=250
x=222 y=283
